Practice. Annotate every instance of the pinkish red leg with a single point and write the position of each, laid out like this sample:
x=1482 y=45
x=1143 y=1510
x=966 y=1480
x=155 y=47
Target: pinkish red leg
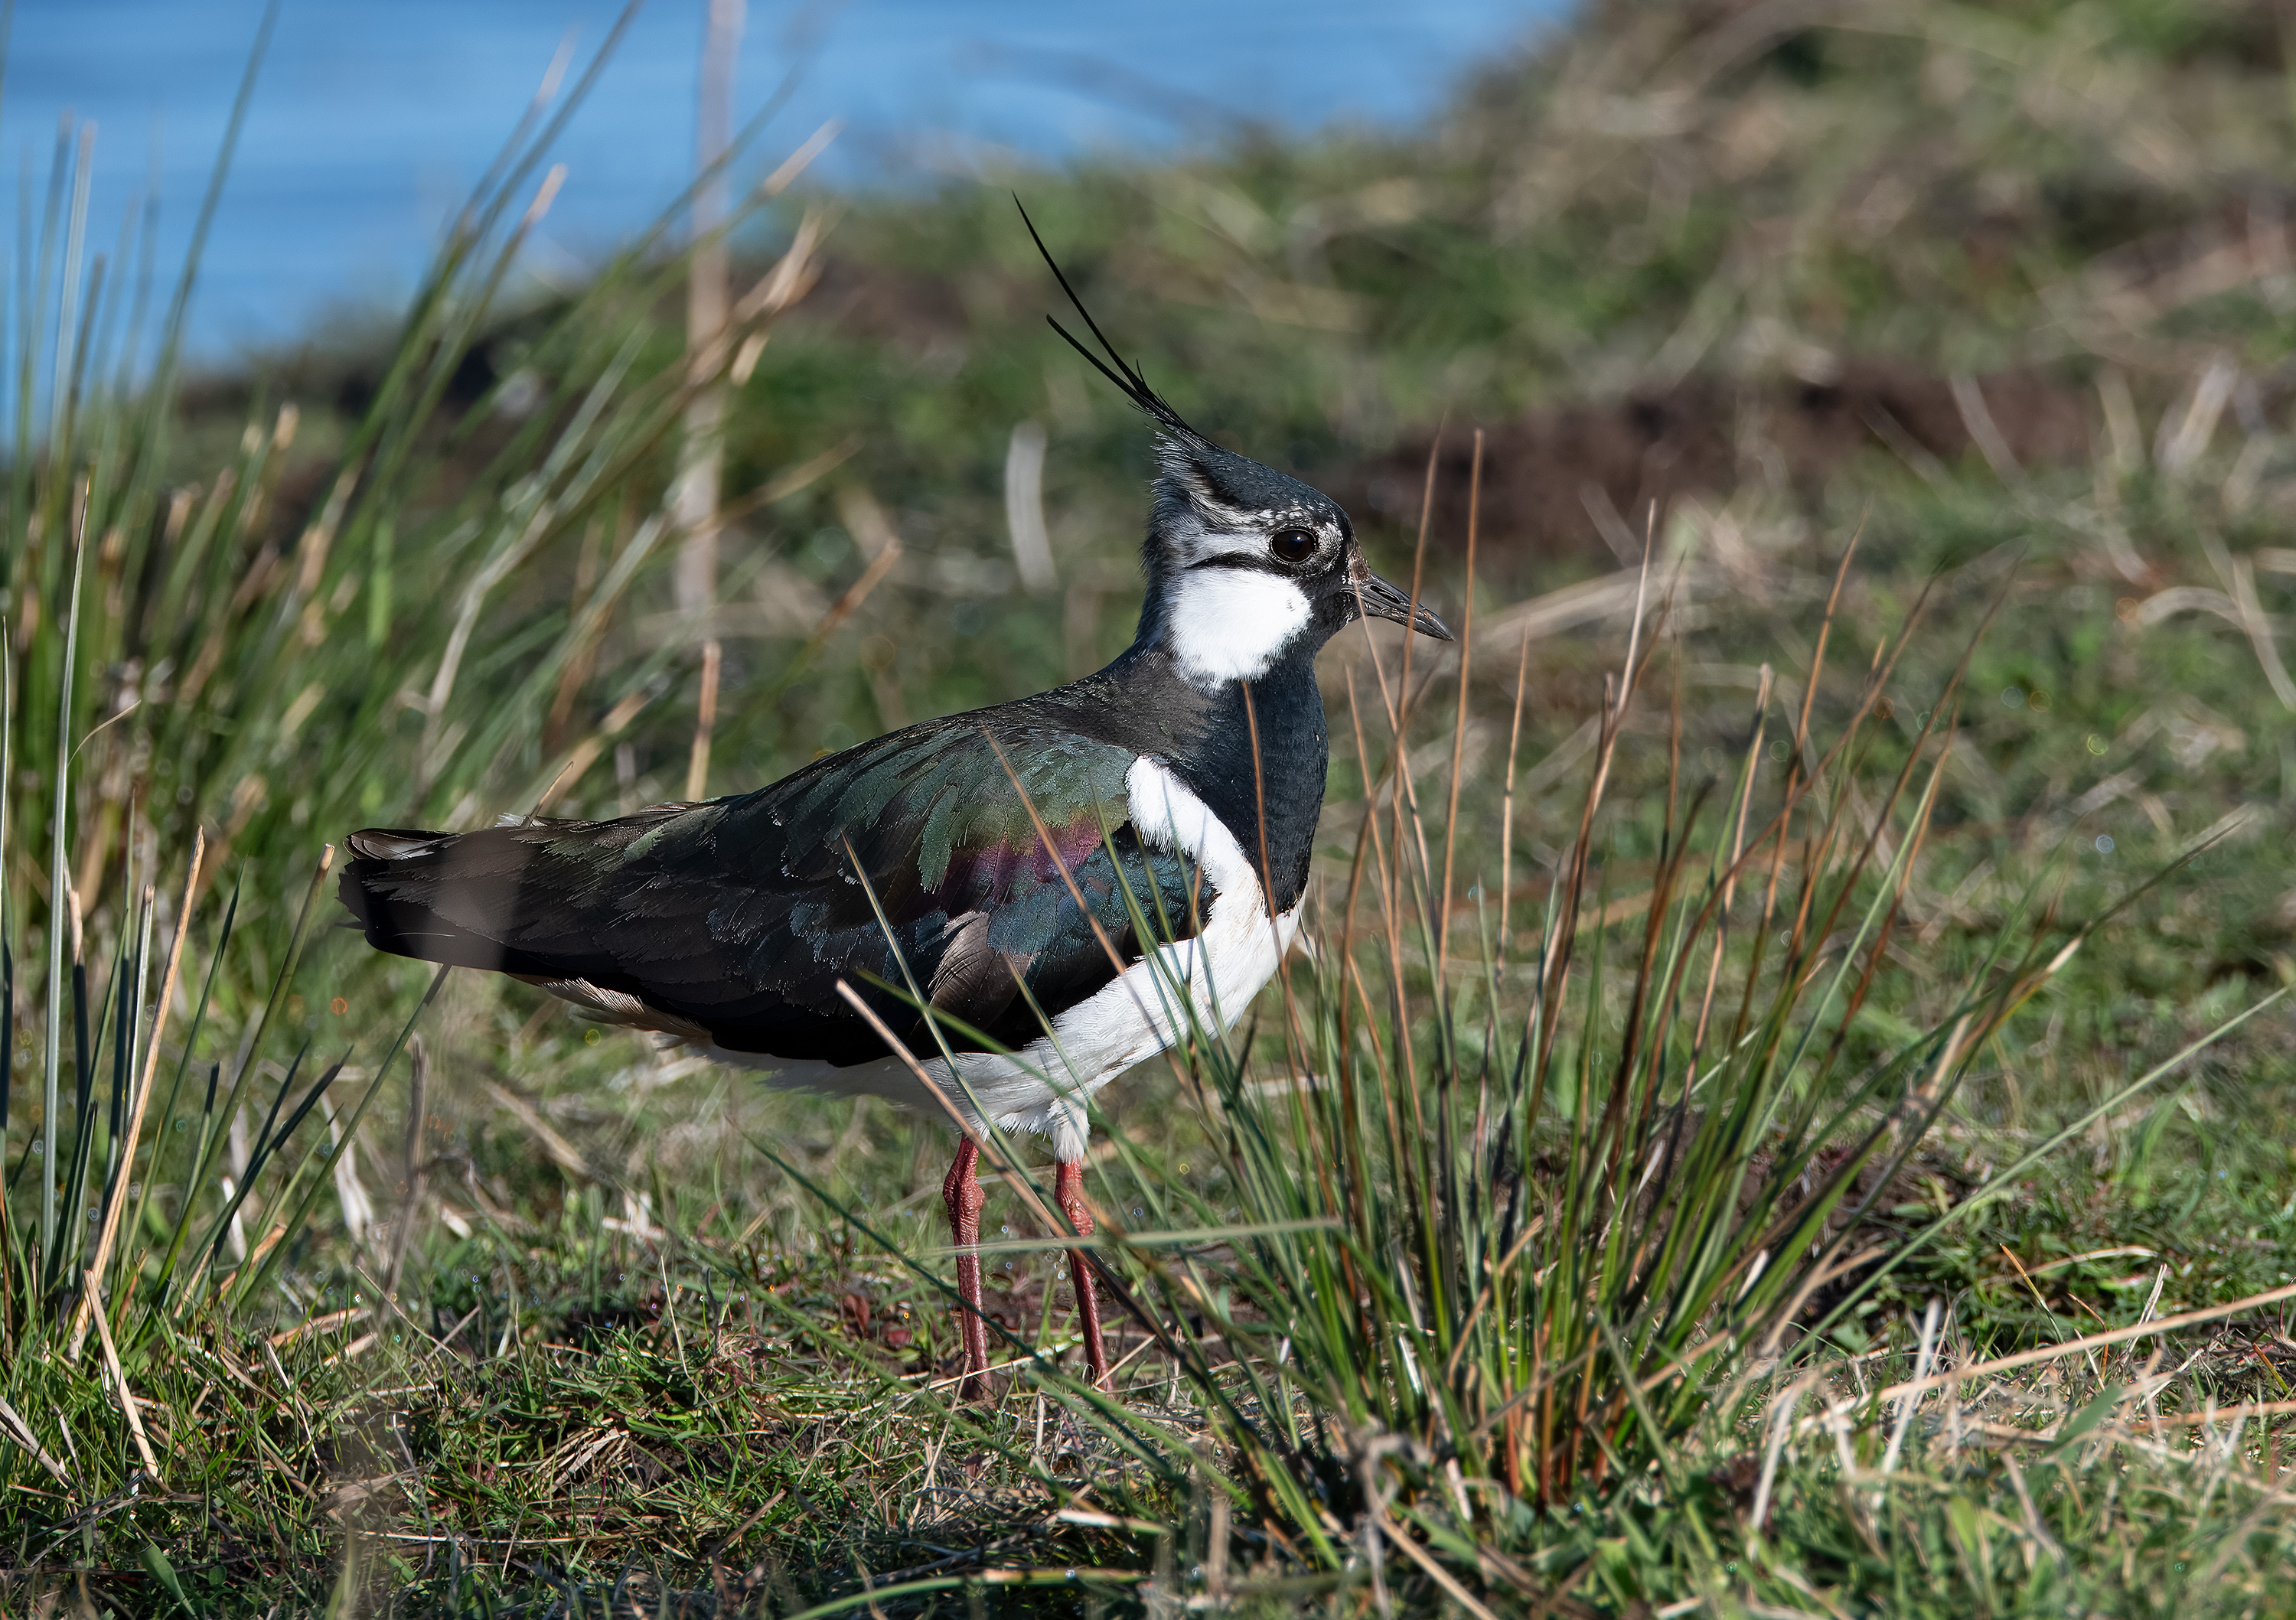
x=1068 y=1189
x=961 y=1192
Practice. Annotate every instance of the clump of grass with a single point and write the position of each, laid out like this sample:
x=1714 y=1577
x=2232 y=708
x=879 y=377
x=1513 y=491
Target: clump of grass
x=1519 y=1227
x=187 y=659
x=197 y=679
x=286 y=641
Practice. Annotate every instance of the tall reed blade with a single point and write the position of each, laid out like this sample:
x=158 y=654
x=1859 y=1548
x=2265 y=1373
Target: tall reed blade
x=58 y=845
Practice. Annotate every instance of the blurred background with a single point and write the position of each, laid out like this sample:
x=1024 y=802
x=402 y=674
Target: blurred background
x=373 y=120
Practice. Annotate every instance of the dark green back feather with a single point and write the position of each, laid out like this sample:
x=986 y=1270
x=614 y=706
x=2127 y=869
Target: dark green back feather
x=740 y=915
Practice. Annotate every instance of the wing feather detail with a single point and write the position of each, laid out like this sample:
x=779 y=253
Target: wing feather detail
x=737 y=917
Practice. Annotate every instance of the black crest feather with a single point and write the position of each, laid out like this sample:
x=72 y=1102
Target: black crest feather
x=1125 y=375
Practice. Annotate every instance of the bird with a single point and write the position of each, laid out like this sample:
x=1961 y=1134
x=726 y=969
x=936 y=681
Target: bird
x=1037 y=897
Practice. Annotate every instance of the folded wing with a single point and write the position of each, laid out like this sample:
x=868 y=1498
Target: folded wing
x=736 y=919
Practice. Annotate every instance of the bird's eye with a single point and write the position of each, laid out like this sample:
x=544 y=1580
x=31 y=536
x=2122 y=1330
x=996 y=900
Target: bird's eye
x=1292 y=545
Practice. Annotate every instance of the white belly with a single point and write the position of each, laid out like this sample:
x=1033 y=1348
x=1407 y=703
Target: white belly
x=1205 y=983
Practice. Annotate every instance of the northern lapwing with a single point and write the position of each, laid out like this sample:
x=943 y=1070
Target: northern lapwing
x=1179 y=788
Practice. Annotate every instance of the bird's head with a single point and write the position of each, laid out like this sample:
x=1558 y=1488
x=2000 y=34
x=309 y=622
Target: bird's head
x=1245 y=564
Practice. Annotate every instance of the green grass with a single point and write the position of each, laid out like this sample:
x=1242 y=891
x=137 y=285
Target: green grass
x=657 y=1332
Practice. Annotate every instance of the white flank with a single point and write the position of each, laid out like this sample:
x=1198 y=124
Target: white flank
x=1229 y=623
x=1045 y=1086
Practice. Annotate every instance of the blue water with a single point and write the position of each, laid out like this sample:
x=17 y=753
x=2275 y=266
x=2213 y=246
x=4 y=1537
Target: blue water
x=373 y=118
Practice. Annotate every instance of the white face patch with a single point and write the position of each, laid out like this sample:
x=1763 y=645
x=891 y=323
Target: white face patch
x=1229 y=623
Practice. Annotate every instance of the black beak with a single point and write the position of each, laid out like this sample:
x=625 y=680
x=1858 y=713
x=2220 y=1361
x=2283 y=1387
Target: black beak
x=1382 y=600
